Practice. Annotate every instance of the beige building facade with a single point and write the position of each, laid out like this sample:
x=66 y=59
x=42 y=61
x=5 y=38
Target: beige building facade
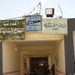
x=57 y=47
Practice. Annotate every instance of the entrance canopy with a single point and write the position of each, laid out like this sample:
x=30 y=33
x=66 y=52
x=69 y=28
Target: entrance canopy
x=39 y=40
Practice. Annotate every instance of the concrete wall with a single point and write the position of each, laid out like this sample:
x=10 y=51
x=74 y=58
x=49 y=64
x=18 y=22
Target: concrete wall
x=74 y=49
x=69 y=48
x=11 y=59
x=1 y=69
x=74 y=44
x=60 y=59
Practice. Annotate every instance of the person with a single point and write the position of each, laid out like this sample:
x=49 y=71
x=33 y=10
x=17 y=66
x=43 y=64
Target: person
x=41 y=69
x=47 y=71
x=53 y=69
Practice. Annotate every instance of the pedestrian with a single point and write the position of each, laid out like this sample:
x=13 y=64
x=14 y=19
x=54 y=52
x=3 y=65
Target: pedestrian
x=53 y=69
x=41 y=70
x=47 y=70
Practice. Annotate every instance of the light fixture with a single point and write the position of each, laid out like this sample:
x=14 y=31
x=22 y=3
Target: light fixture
x=16 y=49
x=49 y=12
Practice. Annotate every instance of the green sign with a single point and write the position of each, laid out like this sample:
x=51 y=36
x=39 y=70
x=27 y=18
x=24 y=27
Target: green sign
x=12 y=29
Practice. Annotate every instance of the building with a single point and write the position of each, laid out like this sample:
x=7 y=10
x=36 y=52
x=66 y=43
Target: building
x=17 y=56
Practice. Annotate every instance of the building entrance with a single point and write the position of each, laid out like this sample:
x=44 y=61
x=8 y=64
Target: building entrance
x=35 y=62
x=51 y=48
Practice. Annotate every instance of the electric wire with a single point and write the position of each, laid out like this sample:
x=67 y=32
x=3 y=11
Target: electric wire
x=35 y=8
x=60 y=10
x=41 y=9
x=28 y=14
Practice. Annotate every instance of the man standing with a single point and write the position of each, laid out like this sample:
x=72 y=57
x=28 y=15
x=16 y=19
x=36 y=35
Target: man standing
x=53 y=69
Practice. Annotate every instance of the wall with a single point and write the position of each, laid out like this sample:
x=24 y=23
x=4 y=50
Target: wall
x=74 y=49
x=11 y=59
x=69 y=48
x=74 y=44
x=1 y=69
x=60 y=59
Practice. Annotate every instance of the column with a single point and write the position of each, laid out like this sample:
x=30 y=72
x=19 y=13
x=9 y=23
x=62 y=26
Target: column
x=49 y=61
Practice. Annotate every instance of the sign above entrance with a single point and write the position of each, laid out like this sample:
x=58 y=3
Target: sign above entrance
x=54 y=26
x=12 y=29
x=33 y=23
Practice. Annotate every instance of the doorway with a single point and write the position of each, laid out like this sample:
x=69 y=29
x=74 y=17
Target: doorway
x=34 y=63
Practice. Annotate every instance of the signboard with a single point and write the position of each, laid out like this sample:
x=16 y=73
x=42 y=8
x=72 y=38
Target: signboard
x=12 y=29
x=33 y=23
x=54 y=26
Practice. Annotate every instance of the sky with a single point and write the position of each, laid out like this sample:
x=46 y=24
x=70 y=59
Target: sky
x=17 y=8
